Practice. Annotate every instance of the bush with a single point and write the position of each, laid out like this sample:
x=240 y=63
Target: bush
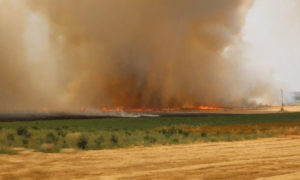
x=172 y=131
x=114 y=139
x=35 y=127
x=163 y=131
x=25 y=142
x=99 y=141
x=10 y=137
x=82 y=142
x=166 y=132
x=64 y=145
x=61 y=133
x=21 y=131
x=186 y=134
x=128 y=133
x=152 y=140
x=182 y=132
x=27 y=135
x=203 y=134
x=175 y=140
x=146 y=137
x=51 y=138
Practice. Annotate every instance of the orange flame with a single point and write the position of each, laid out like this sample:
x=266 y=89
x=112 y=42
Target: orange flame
x=137 y=110
x=167 y=109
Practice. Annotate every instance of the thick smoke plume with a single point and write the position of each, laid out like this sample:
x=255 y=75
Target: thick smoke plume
x=16 y=86
x=134 y=53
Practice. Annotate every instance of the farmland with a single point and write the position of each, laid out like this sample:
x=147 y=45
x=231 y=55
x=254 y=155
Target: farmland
x=249 y=146
x=112 y=133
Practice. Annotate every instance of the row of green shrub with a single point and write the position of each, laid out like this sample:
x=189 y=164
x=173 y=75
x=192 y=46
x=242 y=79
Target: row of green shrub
x=53 y=140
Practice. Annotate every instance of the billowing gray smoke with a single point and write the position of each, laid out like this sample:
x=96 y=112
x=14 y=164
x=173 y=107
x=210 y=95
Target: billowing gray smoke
x=133 y=53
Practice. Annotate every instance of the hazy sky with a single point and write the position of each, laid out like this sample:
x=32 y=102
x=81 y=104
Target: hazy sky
x=272 y=31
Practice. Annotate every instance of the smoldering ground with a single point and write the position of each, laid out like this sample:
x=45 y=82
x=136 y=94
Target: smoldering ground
x=114 y=53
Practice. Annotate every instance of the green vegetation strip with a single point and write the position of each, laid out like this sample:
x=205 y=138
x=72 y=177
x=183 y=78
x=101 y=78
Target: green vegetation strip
x=151 y=123
x=52 y=136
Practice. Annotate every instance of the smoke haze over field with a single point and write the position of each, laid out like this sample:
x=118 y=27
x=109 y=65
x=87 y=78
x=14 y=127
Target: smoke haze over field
x=95 y=53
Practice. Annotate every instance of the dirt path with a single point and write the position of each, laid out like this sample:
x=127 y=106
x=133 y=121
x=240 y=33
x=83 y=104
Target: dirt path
x=264 y=159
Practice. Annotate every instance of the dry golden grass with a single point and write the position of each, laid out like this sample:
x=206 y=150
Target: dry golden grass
x=271 y=158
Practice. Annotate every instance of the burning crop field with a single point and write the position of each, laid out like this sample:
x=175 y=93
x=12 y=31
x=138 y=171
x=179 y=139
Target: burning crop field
x=109 y=75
